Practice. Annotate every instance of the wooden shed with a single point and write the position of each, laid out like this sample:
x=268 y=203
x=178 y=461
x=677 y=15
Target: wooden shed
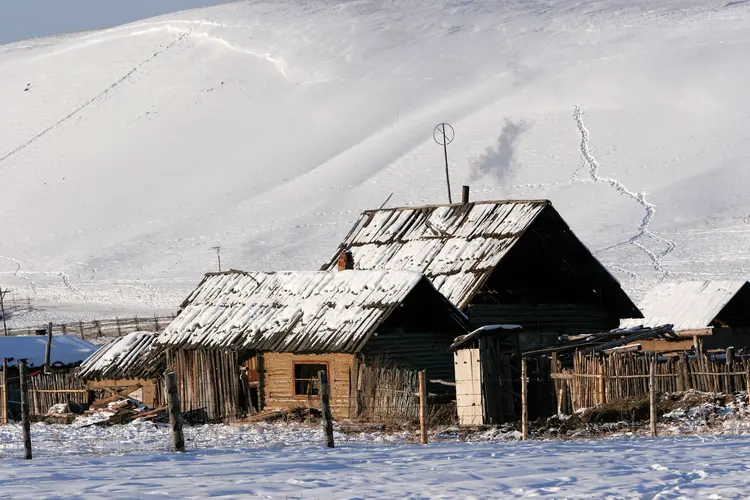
x=709 y=314
x=129 y=366
x=501 y=262
x=487 y=367
x=245 y=337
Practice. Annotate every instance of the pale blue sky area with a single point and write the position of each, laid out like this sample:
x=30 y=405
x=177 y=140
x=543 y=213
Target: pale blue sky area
x=23 y=19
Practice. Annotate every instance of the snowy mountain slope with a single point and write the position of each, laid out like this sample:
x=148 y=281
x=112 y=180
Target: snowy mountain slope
x=266 y=127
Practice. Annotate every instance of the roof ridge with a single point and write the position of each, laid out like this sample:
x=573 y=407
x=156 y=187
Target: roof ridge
x=459 y=204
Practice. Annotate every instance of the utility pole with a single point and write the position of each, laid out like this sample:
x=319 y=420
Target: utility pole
x=218 y=254
x=2 y=309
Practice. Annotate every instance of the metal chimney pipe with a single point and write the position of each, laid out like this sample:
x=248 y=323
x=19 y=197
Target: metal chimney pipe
x=465 y=195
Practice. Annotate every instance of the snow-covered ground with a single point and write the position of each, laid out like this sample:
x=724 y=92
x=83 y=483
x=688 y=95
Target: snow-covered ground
x=277 y=461
x=265 y=127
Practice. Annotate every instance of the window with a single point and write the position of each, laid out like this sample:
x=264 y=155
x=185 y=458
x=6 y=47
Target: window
x=306 y=378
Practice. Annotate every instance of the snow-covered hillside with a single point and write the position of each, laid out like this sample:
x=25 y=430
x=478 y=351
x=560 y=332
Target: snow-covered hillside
x=265 y=127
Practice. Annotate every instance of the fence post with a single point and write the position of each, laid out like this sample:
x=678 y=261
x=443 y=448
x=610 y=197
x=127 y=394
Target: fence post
x=681 y=372
x=652 y=396
x=602 y=398
x=325 y=407
x=175 y=415
x=524 y=401
x=117 y=322
x=4 y=415
x=422 y=379
x=25 y=410
x=80 y=327
x=48 y=350
x=747 y=381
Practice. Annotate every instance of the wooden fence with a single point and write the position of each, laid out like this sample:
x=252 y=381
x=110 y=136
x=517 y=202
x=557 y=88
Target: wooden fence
x=101 y=329
x=209 y=384
x=596 y=380
x=387 y=393
x=44 y=391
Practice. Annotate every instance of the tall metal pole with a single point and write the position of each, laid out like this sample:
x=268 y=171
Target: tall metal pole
x=447 y=175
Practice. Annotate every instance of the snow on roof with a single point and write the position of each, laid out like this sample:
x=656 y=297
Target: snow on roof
x=290 y=311
x=65 y=349
x=128 y=357
x=455 y=246
x=487 y=329
x=688 y=305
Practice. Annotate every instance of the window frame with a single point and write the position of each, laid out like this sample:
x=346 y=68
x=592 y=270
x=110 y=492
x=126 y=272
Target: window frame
x=294 y=376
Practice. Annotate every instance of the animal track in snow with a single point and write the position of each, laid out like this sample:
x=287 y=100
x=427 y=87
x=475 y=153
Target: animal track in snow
x=587 y=157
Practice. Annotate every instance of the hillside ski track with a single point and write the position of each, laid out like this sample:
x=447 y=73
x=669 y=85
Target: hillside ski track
x=644 y=231
x=101 y=95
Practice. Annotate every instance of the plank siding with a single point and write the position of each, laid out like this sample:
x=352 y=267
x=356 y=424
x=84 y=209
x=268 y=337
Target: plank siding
x=416 y=350
x=278 y=381
x=542 y=323
x=148 y=392
x=468 y=387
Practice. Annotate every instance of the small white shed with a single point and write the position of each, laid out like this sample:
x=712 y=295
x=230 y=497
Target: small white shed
x=487 y=366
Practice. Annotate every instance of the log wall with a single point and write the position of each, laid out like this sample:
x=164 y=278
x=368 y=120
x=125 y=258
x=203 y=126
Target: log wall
x=542 y=323
x=278 y=381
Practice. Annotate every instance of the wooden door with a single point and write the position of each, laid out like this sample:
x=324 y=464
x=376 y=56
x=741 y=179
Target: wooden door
x=468 y=387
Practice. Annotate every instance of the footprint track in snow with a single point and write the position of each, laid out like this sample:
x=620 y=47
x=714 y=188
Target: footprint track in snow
x=644 y=232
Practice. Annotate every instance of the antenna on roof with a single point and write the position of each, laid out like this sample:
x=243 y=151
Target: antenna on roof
x=443 y=135
x=218 y=254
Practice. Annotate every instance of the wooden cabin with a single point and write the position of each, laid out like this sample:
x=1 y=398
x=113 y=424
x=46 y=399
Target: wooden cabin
x=242 y=338
x=501 y=262
x=710 y=315
x=57 y=384
x=128 y=366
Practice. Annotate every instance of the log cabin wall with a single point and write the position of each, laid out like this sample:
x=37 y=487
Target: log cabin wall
x=414 y=350
x=280 y=389
x=543 y=322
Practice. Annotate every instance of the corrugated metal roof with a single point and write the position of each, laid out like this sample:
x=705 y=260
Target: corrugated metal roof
x=455 y=246
x=130 y=357
x=688 y=305
x=290 y=311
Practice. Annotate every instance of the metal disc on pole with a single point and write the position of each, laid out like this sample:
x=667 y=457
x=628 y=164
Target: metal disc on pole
x=443 y=135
